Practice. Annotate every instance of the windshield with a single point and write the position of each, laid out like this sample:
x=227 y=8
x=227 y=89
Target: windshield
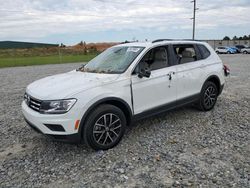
x=113 y=60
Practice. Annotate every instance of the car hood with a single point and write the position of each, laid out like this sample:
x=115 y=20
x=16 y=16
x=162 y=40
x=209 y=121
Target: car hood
x=65 y=85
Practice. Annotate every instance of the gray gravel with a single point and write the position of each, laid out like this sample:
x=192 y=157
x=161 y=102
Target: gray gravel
x=181 y=148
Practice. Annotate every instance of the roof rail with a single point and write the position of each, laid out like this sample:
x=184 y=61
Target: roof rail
x=126 y=41
x=161 y=40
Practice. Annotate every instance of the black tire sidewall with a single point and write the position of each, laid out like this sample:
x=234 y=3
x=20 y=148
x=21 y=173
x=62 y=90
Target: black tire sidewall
x=93 y=117
x=202 y=96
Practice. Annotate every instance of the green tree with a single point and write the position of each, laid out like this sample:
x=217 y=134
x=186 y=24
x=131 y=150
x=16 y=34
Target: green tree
x=81 y=43
x=235 y=38
x=226 y=38
x=245 y=37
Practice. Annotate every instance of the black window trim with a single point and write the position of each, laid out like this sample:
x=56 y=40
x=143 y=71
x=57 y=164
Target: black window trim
x=197 y=52
x=200 y=51
x=172 y=59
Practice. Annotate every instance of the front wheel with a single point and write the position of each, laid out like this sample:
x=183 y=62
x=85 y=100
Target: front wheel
x=245 y=52
x=104 y=127
x=208 y=96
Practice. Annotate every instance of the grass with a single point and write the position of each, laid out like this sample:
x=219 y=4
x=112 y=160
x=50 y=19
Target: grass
x=37 y=60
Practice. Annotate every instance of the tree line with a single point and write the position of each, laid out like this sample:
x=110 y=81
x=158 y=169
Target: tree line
x=245 y=37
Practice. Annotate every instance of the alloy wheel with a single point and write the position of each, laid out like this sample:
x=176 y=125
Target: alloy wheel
x=107 y=129
x=210 y=97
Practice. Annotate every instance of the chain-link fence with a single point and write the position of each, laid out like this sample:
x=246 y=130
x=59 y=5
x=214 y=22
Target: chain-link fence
x=216 y=43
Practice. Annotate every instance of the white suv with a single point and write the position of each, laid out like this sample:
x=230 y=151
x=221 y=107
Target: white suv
x=245 y=50
x=224 y=50
x=125 y=83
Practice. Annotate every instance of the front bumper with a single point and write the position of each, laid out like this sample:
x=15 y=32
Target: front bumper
x=48 y=124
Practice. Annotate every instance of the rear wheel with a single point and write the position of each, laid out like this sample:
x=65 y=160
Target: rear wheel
x=208 y=96
x=104 y=127
x=245 y=52
x=228 y=52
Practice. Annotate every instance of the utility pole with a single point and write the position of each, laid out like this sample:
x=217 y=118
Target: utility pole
x=194 y=17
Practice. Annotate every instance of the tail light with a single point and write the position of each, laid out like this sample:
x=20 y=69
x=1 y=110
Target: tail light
x=226 y=70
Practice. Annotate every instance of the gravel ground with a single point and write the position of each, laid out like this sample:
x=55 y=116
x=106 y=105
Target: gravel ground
x=181 y=148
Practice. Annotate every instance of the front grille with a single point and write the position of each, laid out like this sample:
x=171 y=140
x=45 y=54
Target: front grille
x=33 y=103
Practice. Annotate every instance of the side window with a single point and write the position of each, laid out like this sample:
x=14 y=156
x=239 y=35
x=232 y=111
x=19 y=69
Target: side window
x=205 y=53
x=156 y=58
x=185 y=53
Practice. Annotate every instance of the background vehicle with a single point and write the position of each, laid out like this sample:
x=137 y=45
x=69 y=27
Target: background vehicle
x=237 y=50
x=245 y=50
x=123 y=84
x=224 y=50
x=240 y=47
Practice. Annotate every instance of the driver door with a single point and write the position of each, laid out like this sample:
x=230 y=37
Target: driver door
x=160 y=88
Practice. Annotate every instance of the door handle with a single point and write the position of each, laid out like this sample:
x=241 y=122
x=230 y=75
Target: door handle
x=170 y=75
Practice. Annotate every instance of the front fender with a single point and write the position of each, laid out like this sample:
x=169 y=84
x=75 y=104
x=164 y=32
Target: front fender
x=120 y=91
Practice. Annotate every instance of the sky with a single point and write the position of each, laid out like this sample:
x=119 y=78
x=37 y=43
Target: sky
x=72 y=21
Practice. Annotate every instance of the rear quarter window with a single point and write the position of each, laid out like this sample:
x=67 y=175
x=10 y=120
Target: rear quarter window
x=205 y=53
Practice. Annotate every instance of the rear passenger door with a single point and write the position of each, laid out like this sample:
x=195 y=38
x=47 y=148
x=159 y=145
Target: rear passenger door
x=188 y=71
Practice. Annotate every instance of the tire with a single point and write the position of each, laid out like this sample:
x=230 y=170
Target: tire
x=228 y=52
x=104 y=127
x=245 y=52
x=217 y=52
x=208 y=96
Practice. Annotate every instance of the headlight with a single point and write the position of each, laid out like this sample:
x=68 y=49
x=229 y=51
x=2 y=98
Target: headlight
x=57 y=106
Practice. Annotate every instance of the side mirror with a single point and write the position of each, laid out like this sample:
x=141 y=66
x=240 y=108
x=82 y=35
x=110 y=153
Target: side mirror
x=81 y=68
x=144 y=73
